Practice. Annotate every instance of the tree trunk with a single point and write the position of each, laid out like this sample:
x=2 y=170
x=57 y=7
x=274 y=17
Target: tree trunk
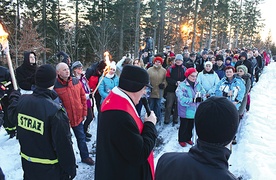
x=194 y=28
x=121 y=49
x=160 y=44
x=44 y=31
x=211 y=25
x=137 y=29
x=76 y=30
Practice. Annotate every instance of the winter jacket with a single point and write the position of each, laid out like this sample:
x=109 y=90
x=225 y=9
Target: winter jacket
x=174 y=73
x=107 y=84
x=247 y=81
x=5 y=91
x=157 y=76
x=219 y=70
x=203 y=161
x=124 y=143
x=73 y=99
x=208 y=81
x=236 y=85
x=44 y=135
x=200 y=64
x=25 y=73
x=186 y=94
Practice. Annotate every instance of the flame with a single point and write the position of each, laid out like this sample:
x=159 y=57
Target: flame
x=107 y=61
x=3 y=37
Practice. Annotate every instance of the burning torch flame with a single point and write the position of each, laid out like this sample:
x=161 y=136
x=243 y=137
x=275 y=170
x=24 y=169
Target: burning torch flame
x=5 y=46
x=107 y=61
x=3 y=37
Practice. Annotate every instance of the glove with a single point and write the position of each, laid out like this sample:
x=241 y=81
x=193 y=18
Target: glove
x=198 y=99
x=161 y=86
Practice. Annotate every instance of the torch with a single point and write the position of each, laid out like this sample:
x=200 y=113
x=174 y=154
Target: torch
x=105 y=71
x=5 y=46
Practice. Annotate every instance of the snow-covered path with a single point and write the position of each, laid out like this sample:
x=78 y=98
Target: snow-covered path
x=254 y=157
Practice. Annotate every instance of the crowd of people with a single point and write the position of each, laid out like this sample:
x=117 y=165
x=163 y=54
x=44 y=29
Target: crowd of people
x=51 y=100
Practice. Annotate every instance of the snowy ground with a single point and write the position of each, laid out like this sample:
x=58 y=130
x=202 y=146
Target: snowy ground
x=253 y=158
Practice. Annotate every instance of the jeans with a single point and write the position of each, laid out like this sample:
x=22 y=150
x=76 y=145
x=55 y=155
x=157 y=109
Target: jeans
x=155 y=105
x=171 y=101
x=80 y=136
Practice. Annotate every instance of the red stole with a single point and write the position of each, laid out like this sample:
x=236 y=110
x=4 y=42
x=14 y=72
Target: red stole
x=117 y=102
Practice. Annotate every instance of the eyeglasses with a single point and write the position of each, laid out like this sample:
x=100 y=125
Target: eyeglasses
x=112 y=69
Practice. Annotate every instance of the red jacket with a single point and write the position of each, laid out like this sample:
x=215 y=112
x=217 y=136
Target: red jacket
x=73 y=99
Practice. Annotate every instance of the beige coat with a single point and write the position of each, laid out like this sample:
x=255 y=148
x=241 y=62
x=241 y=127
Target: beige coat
x=157 y=76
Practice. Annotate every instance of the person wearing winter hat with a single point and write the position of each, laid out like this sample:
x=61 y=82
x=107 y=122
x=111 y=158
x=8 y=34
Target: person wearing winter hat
x=108 y=82
x=235 y=59
x=244 y=61
x=189 y=95
x=174 y=75
x=243 y=73
x=72 y=96
x=77 y=70
x=45 y=141
x=208 y=79
x=157 y=75
x=219 y=66
x=228 y=61
x=216 y=122
x=120 y=124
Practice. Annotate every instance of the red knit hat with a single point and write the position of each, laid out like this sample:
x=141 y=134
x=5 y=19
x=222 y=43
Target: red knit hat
x=158 y=58
x=189 y=71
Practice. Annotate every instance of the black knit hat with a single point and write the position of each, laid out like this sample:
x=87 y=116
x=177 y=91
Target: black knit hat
x=45 y=76
x=243 y=54
x=216 y=121
x=219 y=57
x=133 y=78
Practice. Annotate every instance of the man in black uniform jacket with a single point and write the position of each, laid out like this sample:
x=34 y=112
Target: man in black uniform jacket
x=43 y=131
x=216 y=122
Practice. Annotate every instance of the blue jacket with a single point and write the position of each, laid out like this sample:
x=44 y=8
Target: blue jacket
x=208 y=81
x=236 y=85
x=107 y=84
x=185 y=97
x=219 y=70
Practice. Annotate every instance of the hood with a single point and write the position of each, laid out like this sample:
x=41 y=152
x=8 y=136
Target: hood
x=26 y=61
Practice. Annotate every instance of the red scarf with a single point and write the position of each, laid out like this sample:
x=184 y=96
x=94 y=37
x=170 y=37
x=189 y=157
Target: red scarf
x=111 y=103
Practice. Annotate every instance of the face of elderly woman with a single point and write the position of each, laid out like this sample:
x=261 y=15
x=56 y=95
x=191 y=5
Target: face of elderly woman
x=192 y=77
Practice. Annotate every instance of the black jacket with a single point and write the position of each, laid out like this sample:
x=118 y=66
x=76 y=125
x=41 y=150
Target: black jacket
x=122 y=151
x=43 y=132
x=174 y=73
x=25 y=73
x=203 y=161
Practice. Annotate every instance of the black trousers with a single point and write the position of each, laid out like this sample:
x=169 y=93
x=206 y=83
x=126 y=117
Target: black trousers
x=185 y=129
